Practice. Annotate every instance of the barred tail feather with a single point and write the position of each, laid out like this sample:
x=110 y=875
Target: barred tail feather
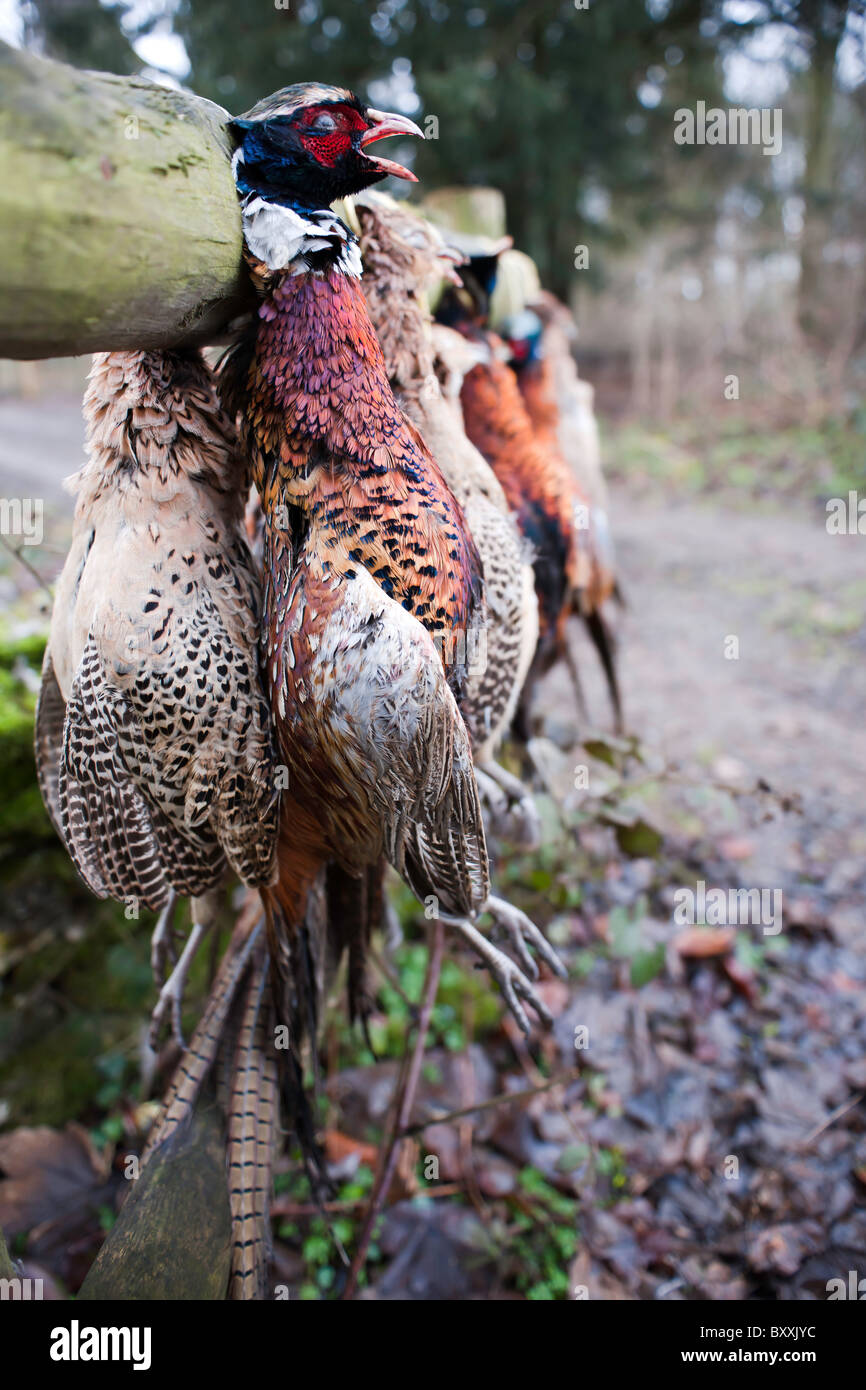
x=252 y=1116
x=199 y=1057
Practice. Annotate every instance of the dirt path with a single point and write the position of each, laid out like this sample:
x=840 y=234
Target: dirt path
x=41 y=443
x=791 y=704
x=788 y=708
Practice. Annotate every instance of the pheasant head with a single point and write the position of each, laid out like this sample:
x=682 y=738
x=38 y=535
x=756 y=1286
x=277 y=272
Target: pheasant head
x=403 y=255
x=309 y=144
x=522 y=333
x=467 y=306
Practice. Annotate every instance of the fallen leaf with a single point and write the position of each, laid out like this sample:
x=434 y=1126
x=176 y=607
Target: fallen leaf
x=699 y=942
x=743 y=976
x=342 y=1146
x=46 y=1174
x=736 y=847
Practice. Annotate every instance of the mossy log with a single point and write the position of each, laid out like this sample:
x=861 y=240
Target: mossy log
x=7 y=1269
x=119 y=219
x=172 y=1239
x=473 y=211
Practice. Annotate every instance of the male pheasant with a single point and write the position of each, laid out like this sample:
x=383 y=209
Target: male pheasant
x=559 y=404
x=370 y=570
x=551 y=509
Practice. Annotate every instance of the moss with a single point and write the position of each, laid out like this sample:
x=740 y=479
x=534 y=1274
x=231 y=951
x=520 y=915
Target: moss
x=24 y=823
x=741 y=460
x=118 y=212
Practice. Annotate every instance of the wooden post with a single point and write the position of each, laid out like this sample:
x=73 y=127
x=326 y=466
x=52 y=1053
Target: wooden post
x=7 y=1268
x=172 y=1239
x=119 y=219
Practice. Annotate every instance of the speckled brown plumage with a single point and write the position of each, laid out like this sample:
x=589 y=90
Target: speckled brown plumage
x=367 y=559
x=402 y=254
x=153 y=743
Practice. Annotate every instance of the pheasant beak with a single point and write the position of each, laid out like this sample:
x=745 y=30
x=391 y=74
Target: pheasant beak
x=449 y=259
x=384 y=123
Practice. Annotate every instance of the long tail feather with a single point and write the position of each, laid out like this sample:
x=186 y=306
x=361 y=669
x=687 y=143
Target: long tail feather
x=252 y=1118
x=604 y=643
x=204 y=1045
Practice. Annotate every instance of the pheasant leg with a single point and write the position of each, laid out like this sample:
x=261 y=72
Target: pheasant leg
x=170 y=998
x=162 y=942
x=203 y=911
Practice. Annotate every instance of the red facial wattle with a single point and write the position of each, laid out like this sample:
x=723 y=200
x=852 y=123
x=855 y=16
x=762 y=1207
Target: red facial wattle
x=330 y=145
x=328 y=149
x=329 y=132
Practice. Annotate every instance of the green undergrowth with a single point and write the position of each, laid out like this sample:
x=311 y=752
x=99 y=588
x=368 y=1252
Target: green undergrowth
x=24 y=824
x=529 y=1238
x=739 y=458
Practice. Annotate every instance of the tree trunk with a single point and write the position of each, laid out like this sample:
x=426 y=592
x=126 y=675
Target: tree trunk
x=818 y=182
x=118 y=213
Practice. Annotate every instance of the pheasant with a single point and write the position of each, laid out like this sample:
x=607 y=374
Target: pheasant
x=402 y=253
x=559 y=404
x=550 y=508
x=370 y=570
x=153 y=745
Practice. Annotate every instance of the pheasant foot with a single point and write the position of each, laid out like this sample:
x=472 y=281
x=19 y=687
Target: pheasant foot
x=203 y=911
x=512 y=808
x=162 y=947
x=522 y=932
x=170 y=998
x=510 y=978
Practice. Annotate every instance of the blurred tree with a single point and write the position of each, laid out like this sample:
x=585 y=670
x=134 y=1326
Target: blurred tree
x=818 y=28
x=82 y=32
x=566 y=105
x=822 y=23
x=541 y=98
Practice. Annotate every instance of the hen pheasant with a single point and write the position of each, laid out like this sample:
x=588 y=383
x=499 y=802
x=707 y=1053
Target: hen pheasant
x=153 y=747
x=403 y=254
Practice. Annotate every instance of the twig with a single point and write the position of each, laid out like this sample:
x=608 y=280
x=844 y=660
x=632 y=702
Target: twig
x=504 y=1099
x=31 y=569
x=404 y=1101
x=831 y=1119
x=393 y=980
x=278 y=1208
